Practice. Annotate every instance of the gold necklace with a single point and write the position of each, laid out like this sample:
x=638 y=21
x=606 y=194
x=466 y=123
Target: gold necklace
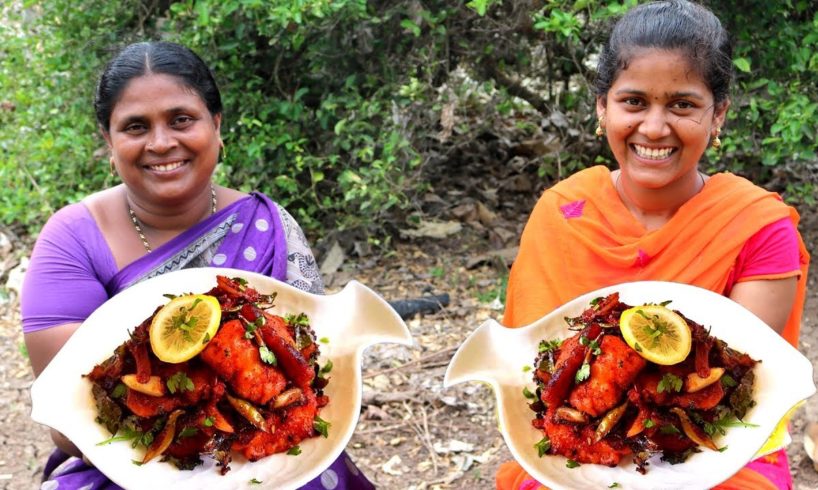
x=138 y=228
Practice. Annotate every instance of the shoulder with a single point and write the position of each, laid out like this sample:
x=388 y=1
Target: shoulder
x=773 y=249
x=71 y=220
x=287 y=219
x=733 y=186
x=592 y=183
x=288 y=222
x=226 y=196
x=581 y=184
x=71 y=235
x=296 y=239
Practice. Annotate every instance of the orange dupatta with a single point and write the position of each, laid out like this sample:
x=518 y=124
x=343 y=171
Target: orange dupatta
x=581 y=237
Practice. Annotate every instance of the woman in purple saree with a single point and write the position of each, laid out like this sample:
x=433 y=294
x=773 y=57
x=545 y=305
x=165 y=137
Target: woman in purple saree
x=162 y=147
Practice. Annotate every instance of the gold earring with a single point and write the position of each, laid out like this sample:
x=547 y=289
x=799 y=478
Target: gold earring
x=600 y=131
x=716 y=143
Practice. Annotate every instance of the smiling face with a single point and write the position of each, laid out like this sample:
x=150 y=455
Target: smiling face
x=163 y=140
x=659 y=116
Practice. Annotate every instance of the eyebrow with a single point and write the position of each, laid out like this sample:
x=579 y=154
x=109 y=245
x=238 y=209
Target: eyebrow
x=129 y=120
x=140 y=118
x=674 y=95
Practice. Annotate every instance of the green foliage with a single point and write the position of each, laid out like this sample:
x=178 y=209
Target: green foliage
x=771 y=133
x=334 y=107
x=311 y=112
x=48 y=139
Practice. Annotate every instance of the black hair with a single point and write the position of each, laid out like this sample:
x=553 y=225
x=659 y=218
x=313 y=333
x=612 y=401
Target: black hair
x=670 y=25
x=143 y=58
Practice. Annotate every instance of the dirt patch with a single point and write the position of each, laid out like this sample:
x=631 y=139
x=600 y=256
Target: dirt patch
x=412 y=434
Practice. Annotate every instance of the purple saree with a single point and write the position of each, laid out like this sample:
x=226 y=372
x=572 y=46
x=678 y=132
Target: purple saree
x=247 y=234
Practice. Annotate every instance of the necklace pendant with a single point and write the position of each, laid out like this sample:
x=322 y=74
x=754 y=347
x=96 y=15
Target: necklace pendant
x=138 y=227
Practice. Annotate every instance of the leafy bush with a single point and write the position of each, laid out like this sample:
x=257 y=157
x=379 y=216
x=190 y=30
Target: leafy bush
x=336 y=108
x=314 y=114
x=771 y=134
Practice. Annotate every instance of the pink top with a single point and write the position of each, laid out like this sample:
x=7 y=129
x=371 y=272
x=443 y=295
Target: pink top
x=772 y=253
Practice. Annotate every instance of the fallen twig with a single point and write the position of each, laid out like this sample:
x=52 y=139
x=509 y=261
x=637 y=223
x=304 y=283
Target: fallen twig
x=379 y=398
x=411 y=363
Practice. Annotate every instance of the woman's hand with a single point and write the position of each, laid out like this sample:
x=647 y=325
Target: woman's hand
x=770 y=300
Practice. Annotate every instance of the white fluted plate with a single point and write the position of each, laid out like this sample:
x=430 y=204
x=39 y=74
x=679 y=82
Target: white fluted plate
x=350 y=320
x=497 y=355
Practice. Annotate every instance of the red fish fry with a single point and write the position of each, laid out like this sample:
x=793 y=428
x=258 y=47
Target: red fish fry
x=236 y=359
x=612 y=373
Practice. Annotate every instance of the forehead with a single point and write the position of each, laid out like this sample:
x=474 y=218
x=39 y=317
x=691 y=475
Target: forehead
x=156 y=92
x=662 y=70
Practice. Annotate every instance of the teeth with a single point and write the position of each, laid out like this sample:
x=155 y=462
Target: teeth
x=168 y=166
x=654 y=153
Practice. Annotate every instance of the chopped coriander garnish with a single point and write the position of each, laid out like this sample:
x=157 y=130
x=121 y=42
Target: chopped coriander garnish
x=666 y=302
x=255 y=481
x=209 y=421
x=179 y=382
x=137 y=462
x=722 y=449
x=614 y=485
x=267 y=355
x=654 y=328
x=131 y=434
x=188 y=432
x=571 y=464
x=184 y=322
x=206 y=338
x=583 y=373
x=324 y=340
x=251 y=327
x=321 y=426
x=668 y=429
x=548 y=345
x=118 y=390
x=543 y=446
x=597 y=300
x=648 y=423
x=592 y=344
x=526 y=368
x=326 y=368
x=527 y=393
x=669 y=382
x=294 y=451
x=727 y=381
x=299 y=319
x=719 y=425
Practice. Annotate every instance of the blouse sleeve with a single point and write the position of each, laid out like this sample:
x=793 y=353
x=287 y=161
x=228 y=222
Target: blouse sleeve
x=772 y=253
x=302 y=270
x=63 y=282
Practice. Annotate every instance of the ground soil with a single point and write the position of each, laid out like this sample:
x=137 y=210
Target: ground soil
x=413 y=433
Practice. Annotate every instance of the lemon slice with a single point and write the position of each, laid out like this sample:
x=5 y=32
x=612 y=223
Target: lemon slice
x=656 y=333
x=183 y=327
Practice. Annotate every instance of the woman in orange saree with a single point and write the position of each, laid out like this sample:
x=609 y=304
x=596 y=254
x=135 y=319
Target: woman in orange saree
x=662 y=87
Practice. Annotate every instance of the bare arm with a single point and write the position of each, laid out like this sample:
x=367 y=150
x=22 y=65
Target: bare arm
x=770 y=300
x=42 y=346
